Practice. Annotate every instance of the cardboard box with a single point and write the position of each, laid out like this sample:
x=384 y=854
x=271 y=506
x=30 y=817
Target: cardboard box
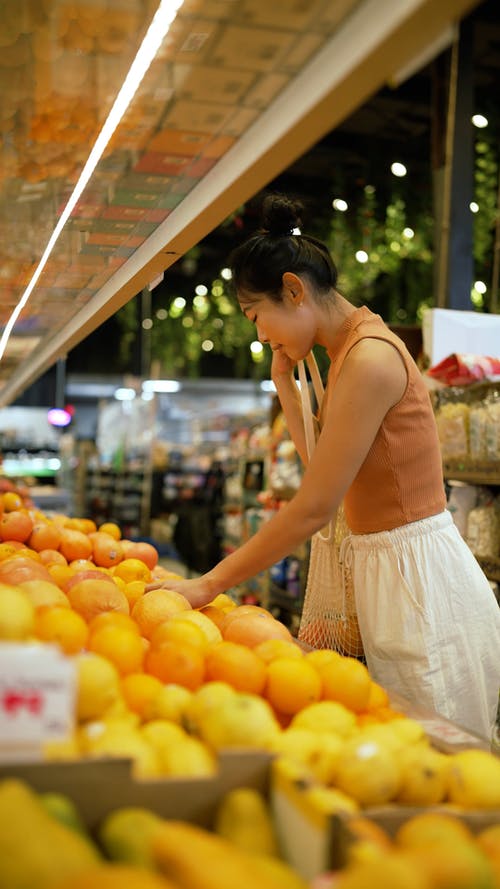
x=311 y=840
x=99 y=786
x=314 y=842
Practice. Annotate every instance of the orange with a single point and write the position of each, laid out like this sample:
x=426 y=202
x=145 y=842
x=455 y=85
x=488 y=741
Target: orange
x=179 y=631
x=138 y=690
x=45 y=535
x=29 y=553
x=61 y=626
x=112 y=619
x=75 y=544
x=237 y=665
x=90 y=597
x=16 y=525
x=52 y=557
x=176 y=662
x=132 y=569
x=79 y=565
x=78 y=574
x=60 y=574
x=348 y=681
x=9 y=549
x=41 y=592
x=133 y=590
x=377 y=698
x=84 y=526
x=11 y=501
x=155 y=607
x=292 y=684
x=252 y=628
x=240 y=610
x=120 y=645
x=318 y=657
x=217 y=615
x=18 y=568
x=112 y=529
x=106 y=550
x=271 y=649
x=144 y=552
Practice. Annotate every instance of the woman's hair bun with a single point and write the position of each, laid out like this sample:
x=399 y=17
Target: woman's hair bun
x=280 y=215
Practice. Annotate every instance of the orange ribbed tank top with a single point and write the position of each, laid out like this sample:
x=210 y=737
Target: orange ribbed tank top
x=401 y=479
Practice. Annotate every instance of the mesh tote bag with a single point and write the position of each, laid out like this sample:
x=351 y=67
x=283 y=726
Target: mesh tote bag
x=328 y=617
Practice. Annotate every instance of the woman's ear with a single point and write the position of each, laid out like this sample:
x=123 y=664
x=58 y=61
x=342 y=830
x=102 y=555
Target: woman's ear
x=293 y=287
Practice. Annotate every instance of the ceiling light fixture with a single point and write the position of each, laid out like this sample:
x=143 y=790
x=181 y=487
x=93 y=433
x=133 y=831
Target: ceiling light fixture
x=398 y=169
x=162 y=19
x=479 y=121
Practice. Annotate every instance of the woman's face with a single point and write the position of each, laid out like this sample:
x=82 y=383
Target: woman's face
x=287 y=326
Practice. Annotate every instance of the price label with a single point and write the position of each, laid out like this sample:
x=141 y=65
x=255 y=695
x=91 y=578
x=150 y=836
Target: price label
x=37 y=694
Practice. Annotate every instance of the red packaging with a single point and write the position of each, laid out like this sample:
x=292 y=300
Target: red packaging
x=460 y=370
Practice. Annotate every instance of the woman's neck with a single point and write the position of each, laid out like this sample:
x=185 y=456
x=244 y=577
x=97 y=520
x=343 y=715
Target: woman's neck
x=334 y=319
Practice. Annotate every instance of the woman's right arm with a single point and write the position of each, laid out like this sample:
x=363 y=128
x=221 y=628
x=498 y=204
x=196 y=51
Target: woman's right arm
x=288 y=393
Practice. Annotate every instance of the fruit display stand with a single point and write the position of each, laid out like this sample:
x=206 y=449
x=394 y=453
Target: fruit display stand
x=156 y=706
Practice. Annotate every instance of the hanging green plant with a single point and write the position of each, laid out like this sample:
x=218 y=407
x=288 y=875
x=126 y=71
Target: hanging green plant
x=486 y=170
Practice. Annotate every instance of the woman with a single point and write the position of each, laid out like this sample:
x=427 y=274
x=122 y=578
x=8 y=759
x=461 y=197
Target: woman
x=378 y=452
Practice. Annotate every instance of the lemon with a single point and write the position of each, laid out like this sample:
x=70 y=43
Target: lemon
x=171 y=703
x=211 y=631
x=463 y=866
x=424 y=775
x=326 y=716
x=67 y=749
x=204 y=700
x=97 y=686
x=298 y=744
x=160 y=733
x=407 y=730
x=224 y=602
x=325 y=759
x=368 y=771
x=431 y=828
x=474 y=779
x=390 y=871
x=241 y=720
x=329 y=801
x=188 y=758
x=127 y=742
x=17 y=614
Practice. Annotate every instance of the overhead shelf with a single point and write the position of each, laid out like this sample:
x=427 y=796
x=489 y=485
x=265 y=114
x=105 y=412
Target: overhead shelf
x=236 y=92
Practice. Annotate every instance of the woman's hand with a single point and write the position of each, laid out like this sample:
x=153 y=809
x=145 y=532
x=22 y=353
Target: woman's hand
x=281 y=364
x=196 y=590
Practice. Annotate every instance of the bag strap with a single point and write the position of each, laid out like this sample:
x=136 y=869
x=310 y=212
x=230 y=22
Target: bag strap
x=307 y=415
x=319 y=389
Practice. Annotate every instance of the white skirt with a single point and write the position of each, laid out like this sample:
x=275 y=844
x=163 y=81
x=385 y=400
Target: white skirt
x=429 y=621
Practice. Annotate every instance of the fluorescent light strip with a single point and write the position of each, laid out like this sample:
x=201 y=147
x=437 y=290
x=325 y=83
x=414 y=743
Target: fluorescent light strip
x=163 y=18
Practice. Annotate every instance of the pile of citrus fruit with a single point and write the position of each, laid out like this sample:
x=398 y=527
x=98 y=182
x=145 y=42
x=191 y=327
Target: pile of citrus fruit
x=170 y=686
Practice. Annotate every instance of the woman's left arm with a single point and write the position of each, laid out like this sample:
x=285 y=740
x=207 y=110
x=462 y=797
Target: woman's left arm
x=372 y=380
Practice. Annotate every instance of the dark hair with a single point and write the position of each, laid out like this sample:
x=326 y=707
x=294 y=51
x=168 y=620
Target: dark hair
x=259 y=263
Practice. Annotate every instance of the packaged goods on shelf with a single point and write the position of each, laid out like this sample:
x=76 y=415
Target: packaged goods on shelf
x=483 y=530
x=468 y=422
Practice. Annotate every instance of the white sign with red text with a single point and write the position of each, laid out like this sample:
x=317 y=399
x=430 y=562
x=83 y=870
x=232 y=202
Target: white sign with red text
x=37 y=695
